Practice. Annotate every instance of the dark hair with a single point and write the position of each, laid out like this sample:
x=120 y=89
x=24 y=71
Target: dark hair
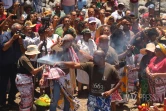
x=80 y=27
x=70 y=31
x=152 y=32
x=41 y=30
x=113 y=27
x=27 y=6
x=128 y=18
x=159 y=20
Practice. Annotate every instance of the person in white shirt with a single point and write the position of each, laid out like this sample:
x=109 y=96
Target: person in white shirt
x=91 y=13
x=92 y=23
x=118 y=14
x=87 y=45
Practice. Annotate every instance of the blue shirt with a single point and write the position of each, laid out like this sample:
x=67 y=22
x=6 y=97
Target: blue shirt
x=81 y=4
x=12 y=54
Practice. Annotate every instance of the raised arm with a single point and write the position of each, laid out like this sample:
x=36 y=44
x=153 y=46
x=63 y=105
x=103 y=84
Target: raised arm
x=73 y=65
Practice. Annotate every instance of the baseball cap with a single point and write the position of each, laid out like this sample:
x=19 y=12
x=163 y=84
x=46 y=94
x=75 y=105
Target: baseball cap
x=91 y=19
x=121 y=3
x=85 y=31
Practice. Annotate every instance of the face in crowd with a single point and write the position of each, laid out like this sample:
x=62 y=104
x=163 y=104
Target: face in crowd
x=91 y=12
x=99 y=57
x=66 y=21
x=73 y=15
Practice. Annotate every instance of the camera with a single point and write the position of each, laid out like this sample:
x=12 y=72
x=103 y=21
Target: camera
x=14 y=17
x=21 y=34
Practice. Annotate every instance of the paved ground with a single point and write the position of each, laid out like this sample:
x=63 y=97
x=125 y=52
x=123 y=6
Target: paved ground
x=122 y=107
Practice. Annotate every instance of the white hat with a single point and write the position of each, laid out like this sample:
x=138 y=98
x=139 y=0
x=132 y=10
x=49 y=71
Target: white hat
x=32 y=50
x=150 y=47
x=121 y=3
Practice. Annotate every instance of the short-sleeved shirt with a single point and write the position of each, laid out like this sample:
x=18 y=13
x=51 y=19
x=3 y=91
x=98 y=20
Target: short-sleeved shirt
x=24 y=65
x=159 y=67
x=7 y=57
x=100 y=78
x=111 y=56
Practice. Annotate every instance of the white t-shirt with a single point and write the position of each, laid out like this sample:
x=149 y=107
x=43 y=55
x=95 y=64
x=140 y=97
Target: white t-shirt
x=117 y=16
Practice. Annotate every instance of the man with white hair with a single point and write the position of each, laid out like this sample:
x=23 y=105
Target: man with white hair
x=11 y=47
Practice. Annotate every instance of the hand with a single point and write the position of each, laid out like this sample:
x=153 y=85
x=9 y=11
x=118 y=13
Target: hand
x=15 y=36
x=130 y=48
x=124 y=22
x=41 y=82
x=107 y=93
x=153 y=75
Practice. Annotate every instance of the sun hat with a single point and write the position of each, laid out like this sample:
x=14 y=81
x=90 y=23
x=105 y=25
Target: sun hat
x=29 y=23
x=32 y=50
x=91 y=20
x=150 y=47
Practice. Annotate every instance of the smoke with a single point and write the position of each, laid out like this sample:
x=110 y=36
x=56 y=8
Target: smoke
x=49 y=59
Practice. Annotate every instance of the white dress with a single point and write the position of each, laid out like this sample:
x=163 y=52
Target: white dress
x=88 y=47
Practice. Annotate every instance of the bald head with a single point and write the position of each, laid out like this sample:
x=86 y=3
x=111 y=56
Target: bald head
x=99 y=53
x=68 y=37
x=103 y=39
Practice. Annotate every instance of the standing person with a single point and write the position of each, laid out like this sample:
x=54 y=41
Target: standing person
x=156 y=68
x=2 y=12
x=148 y=53
x=24 y=82
x=119 y=13
x=101 y=75
x=57 y=11
x=11 y=50
x=110 y=5
x=134 y=6
x=68 y=5
x=89 y=46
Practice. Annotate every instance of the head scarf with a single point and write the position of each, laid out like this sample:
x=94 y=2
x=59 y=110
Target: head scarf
x=162 y=47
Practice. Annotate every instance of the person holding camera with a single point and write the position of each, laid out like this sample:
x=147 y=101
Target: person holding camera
x=11 y=50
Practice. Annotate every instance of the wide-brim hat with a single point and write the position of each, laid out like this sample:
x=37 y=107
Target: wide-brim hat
x=150 y=47
x=32 y=50
x=29 y=23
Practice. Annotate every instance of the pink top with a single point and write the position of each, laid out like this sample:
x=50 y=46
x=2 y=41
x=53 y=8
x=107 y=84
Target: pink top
x=159 y=67
x=68 y=2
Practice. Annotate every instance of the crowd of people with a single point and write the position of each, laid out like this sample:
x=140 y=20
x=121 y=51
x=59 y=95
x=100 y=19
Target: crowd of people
x=112 y=50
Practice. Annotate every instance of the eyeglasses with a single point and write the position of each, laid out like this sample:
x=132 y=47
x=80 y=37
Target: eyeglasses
x=74 y=15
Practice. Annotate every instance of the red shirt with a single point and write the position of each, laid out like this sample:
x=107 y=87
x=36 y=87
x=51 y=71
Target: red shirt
x=159 y=67
x=37 y=27
x=2 y=17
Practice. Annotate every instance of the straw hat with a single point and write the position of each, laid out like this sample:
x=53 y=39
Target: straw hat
x=32 y=50
x=150 y=47
x=29 y=23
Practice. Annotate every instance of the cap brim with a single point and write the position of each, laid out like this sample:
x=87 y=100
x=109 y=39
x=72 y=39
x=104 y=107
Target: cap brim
x=33 y=25
x=92 y=21
x=32 y=53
